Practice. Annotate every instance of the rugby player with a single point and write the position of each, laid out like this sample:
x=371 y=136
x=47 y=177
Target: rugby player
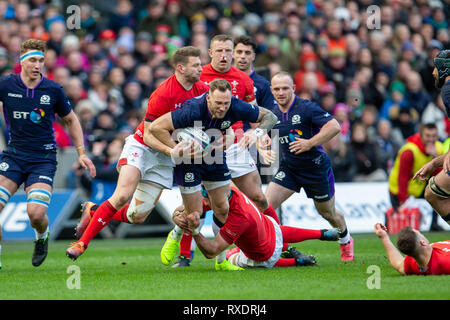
x=30 y=103
x=303 y=127
x=437 y=191
x=144 y=171
x=217 y=109
x=258 y=237
x=422 y=257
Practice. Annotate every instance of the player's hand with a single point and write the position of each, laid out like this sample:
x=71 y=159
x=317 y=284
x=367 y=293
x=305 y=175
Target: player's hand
x=187 y=150
x=179 y=218
x=425 y=172
x=380 y=230
x=193 y=220
x=248 y=139
x=299 y=145
x=86 y=163
x=267 y=156
x=264 y=142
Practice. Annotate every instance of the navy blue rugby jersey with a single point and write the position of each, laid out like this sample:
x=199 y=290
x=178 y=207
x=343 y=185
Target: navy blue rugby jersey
x=303 y=119
x=196 y=109
x=29 y=113
x=264 y=96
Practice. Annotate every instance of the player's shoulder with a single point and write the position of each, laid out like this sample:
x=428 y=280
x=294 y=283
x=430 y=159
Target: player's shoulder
x=257 y=78
x=9 y=79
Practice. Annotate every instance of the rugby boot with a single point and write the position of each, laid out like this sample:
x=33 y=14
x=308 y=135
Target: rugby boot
x=182 y=262
x=40 y=251
x=226 y=265
x=329 y=234
x=347 y=251
x=75 y=250
x=86 y=217
x=170 y=249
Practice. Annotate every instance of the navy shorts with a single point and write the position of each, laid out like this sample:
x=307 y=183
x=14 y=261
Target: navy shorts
x=27 y=170
x=318 y=182
x=191 y=175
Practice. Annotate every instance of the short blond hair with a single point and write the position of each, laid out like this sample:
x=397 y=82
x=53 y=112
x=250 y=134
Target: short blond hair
x=32 y=44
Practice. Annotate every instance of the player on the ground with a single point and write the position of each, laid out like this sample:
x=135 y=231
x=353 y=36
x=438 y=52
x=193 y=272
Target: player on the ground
x=219 y=110
x=258 y=237
x=422 y=257
x=30 y=102
x=303 y=127
x=437 y=191
x=144 y=171
x=241 y=164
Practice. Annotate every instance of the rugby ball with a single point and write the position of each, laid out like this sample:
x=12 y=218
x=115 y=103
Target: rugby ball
x=194 y=134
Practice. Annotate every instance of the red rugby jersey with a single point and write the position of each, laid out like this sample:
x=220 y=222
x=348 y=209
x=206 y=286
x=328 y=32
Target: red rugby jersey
x=169 y=96
x=248 y=228
x=439 y=262
x=241 y=87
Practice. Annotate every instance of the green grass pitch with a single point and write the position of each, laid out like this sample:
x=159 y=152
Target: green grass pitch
x=131 y=269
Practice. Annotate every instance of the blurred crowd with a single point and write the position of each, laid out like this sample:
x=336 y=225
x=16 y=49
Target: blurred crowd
x=369 y=63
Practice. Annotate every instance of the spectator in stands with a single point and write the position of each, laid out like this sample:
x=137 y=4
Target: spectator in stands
x=308 y=63
x=387 y=145
x=417 y=97
x=396 y=100
x=426 y=72
x=341 y=159
x=365 y=161
x=122 y=16
x=155 y=17
x=274 y=55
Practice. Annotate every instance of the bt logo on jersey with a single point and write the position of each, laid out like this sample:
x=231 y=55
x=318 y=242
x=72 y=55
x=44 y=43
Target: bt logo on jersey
x=36 y=115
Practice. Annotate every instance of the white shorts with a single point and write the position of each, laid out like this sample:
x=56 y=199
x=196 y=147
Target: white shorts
x=244 y=262
x=239 y=161
x=155 y=167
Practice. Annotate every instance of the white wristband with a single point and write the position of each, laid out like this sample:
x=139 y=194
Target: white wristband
x=194 y=232
x=259 y=132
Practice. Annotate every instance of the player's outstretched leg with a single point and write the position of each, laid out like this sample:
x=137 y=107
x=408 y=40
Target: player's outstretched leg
x=226 y=265
x=87 y=210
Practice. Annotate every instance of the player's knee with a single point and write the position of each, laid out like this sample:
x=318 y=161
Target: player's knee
x=143 y=202
x=260 y=200
x=38 y=201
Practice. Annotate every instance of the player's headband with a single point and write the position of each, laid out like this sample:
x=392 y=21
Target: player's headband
x=31 y=54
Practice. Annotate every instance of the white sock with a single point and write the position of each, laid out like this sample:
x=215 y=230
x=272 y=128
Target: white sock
x=345 y=239
x=41 y=235
x=177 y=233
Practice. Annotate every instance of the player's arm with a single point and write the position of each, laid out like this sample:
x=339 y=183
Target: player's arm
x=153 y=142
x=394 y=256
x=425 y=172
x=76 y=133
x=266 y=120
x=160 y=137
x=210 y=249
x=326 y=133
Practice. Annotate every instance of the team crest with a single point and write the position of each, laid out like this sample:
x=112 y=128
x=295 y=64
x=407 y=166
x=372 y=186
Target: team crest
x=234 y=86
x=45 y=99
x=280 y=175
x=4 y=166
x=189 y=177
x=296 y=119
x=225 y=125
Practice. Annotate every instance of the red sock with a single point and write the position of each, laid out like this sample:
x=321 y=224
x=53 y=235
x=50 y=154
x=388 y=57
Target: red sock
x=270 y=211
x=293 y=235
x=185 y=244
x=101 y=217
x=121 y=215
x=285 y=246
x=285 y=263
